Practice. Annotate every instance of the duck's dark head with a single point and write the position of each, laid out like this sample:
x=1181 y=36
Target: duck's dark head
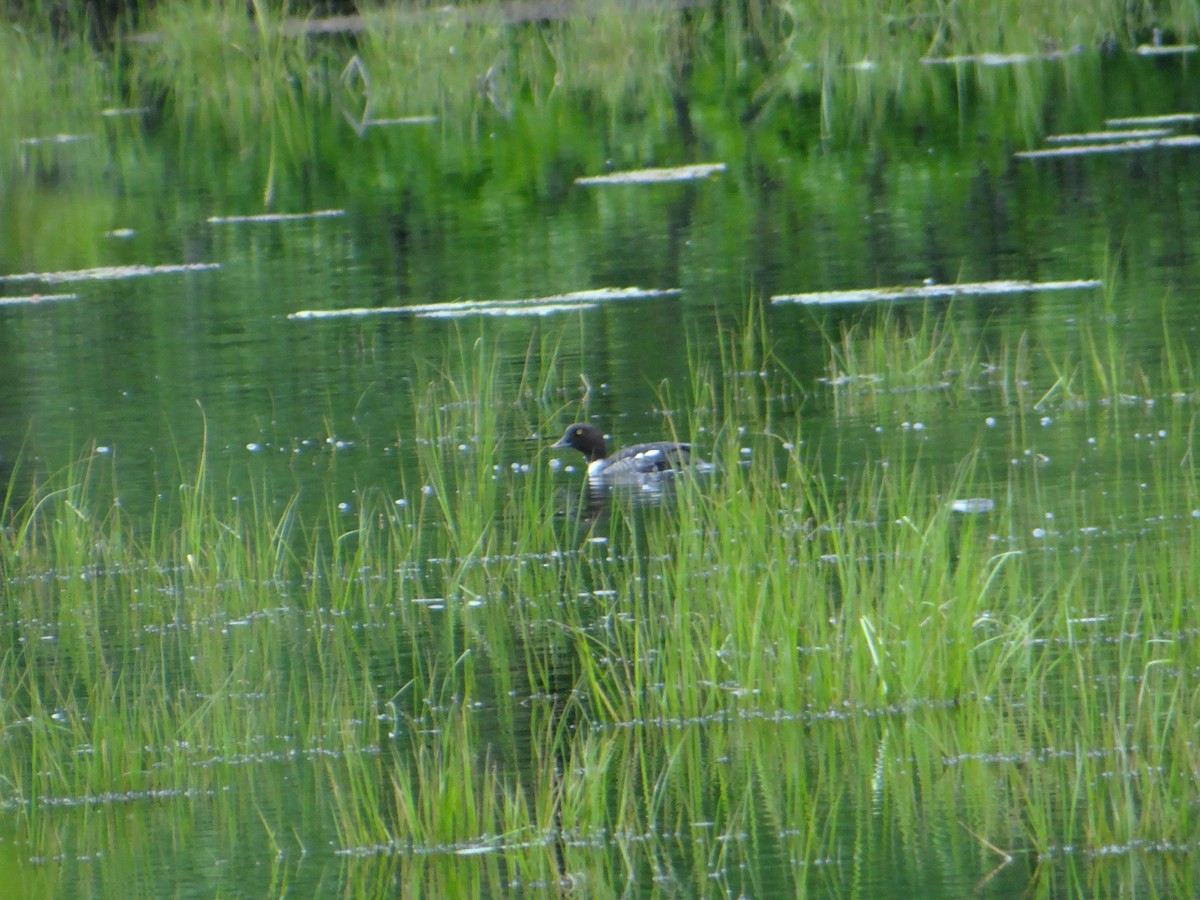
x=585 y=438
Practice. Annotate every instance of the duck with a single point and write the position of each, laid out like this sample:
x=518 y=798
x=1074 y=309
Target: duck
x=629 y=462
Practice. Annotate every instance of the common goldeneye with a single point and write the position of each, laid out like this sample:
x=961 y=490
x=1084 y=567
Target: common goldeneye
x=628 y=462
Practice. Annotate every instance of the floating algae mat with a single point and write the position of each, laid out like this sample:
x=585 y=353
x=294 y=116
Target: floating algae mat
x=275 y=217
x=1166 y=49
x=1085 y=137
x=1153 y=121
x=536 y=306
x=400 y=120
x=655 y=176
x=110 y=273
x=1136 y=133
x=973 y=505
x=998 y=59
x=1185 y=140
x=519 y=309
x=53 y=139
x=928 y=291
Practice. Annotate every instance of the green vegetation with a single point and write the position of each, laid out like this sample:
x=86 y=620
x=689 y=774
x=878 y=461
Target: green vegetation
x=272 y=117
x=223 y=76
x=501 y=692
x=934 y=604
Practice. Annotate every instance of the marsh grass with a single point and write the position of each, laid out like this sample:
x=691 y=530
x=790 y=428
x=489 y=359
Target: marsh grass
x=51 y=87
x=232 y=73
x=516 y=696
x=264 y=115
x=739 y=679
x=431 y=63
x=234 y=80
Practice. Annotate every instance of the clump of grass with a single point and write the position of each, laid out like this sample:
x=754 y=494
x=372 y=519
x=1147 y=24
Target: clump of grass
x=426 y=62
x=234 y=79
x=234 y=74
x=664 y=691
x=51 y=85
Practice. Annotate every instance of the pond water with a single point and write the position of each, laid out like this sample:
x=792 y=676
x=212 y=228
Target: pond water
x=153 y=377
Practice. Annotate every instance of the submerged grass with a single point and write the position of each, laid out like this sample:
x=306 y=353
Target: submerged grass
x=717 y=683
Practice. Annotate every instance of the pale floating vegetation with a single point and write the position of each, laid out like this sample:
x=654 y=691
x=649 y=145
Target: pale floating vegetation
x=1153 y=121
x=973 y=505
x=1101 y=136
x=113 y=112
x=121 y=233
x=1178 y=141
x=1000 y=59
x=1126 y=135
x=476 y=849
x=931 y=291
x=34 y=299
x=656 y=176
x=1166 y=49
x=109 y=273
x=521 y=309
x=400 y=120
x=275 y=217
x=53 y=140
x=574 y=301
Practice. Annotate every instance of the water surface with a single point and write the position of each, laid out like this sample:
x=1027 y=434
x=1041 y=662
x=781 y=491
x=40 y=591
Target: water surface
x=145 y=375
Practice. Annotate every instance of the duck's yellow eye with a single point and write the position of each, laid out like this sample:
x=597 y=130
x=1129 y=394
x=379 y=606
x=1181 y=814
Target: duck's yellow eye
x=578 y=431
